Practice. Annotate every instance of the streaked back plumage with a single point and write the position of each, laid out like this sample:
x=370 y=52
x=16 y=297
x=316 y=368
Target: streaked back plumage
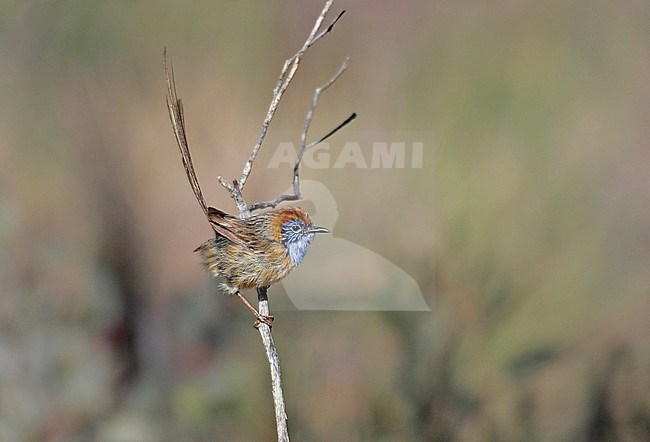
x=253 y=252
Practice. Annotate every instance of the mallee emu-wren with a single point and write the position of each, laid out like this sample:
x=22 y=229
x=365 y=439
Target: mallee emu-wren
x=252 y=252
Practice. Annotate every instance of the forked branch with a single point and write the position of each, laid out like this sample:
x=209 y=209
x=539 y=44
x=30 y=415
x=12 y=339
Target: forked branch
x=288 y=71
x=304 y=146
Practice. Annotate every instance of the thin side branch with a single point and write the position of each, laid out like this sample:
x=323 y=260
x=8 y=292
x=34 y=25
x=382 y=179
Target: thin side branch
x=310 y=116
x=303 y=143
x=328 y=30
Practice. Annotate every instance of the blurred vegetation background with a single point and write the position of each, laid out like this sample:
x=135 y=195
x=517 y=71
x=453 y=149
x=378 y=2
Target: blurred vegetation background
x=527 y=228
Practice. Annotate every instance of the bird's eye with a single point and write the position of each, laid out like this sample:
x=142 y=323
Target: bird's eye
x=295 y=228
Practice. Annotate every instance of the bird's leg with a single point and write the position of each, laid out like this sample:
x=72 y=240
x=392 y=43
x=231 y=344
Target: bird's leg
x=264 y=302
x=259 y=318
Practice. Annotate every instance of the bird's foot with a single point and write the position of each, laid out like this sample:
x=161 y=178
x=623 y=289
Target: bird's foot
x=266 y=319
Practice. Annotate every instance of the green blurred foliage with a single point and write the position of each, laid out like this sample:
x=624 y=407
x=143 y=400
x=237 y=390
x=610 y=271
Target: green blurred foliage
x=528 y=227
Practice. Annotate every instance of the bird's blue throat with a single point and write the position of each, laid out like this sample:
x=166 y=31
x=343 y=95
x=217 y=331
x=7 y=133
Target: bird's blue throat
x=297 y=248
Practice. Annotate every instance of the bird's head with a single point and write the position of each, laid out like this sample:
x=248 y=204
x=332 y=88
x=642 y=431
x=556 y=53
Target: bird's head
x=297 y=231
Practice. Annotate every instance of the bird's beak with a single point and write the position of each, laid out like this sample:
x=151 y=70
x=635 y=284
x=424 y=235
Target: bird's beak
x=317 y=229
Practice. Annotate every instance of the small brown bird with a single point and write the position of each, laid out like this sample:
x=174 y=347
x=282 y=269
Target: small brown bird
x=254 y=252
x=257 y=251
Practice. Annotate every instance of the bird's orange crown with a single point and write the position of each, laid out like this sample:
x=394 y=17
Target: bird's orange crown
x=285 y=214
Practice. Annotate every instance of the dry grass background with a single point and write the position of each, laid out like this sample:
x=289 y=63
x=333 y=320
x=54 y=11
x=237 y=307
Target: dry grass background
x=528 y=227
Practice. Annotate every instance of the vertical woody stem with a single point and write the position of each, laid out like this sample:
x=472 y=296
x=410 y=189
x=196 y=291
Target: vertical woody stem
x=274 y=362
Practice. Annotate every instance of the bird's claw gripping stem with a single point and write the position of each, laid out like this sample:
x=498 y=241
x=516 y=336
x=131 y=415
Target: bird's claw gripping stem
x=266 y=319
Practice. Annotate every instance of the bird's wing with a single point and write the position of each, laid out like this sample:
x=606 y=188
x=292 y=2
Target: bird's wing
x=226 y=225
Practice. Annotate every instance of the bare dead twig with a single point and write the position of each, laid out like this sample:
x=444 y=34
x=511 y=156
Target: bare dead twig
x=303 y=143
x=288 y=71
